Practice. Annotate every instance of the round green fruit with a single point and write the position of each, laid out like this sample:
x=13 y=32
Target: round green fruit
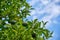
x=24 y=24
x=34 y=35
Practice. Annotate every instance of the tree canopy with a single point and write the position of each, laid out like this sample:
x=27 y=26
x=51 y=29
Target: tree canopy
x=13 y=26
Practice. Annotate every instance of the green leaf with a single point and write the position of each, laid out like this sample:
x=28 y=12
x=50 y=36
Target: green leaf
x=15 y=27
x=35 y=20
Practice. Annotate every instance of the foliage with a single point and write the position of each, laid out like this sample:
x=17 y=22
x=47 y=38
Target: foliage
x=13 y=26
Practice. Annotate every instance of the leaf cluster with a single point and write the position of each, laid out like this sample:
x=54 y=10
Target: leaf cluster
x=13 y=26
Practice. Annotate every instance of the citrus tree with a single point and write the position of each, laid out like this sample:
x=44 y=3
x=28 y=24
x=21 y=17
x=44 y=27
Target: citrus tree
x=13 y=26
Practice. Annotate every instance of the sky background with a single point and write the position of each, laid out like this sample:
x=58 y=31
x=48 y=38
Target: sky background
x=47 y=10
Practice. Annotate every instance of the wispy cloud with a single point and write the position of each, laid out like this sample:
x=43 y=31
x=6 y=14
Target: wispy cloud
x=49 y=8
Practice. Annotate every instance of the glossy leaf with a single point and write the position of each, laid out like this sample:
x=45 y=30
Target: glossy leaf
x=13 y=25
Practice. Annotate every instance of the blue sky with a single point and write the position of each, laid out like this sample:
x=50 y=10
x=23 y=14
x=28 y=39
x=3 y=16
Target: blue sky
x=47 y=10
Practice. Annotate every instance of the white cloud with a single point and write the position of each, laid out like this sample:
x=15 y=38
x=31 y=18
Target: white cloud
x=34 y=17
x=51 y=9
x=33 y=12
x=45 y=2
